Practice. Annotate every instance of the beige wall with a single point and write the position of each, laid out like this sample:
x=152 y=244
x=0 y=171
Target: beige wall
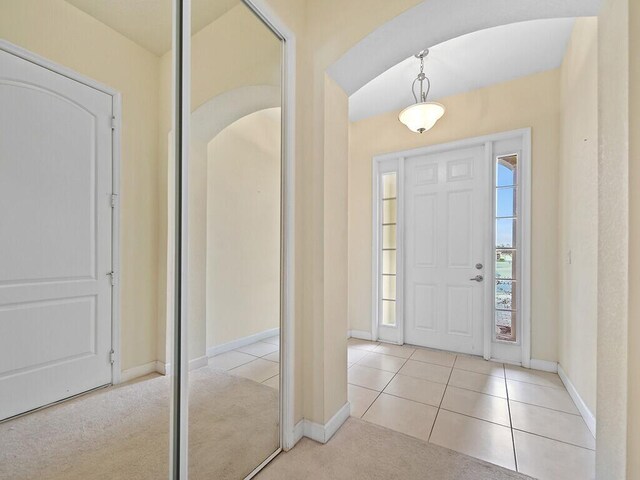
x=578 y=219
x=243 y=229
x=65 y=35
x=618 y=397
x=527 y=102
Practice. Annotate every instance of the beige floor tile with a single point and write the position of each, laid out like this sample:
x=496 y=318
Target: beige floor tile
x=362 y=344
x=229 y=360
x=547 y=459
x=355 y=354
x=445 y=359
x=426 y=371
x=548 y=397
x=479 y=365
x=478 y=405
x=360 y=399
x=545 y=379
x=561 y=426
x=273 y=340
x=258 y=349
x=411 y=418
x=273 y=382
x=480 y=439
x=402 y=351
x=259 y=370
x=416 y=389
x=382 y=362
x=273 y=357
x=478 y=382
x=367 y=377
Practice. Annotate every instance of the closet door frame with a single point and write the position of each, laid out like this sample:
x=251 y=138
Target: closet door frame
x=181 y=118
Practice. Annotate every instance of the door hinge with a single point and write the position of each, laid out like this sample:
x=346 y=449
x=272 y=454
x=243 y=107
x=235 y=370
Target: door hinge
x=114 y=200
x=113 y=123
x=112 y=357
x=114 y=278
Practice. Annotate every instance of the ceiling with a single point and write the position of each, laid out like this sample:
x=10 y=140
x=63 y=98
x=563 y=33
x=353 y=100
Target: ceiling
x=148 y=22
x=468 y=62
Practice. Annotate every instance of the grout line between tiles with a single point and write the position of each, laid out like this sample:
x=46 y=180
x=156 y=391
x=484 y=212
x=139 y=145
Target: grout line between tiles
x=554 y=439
x=385 y=386
x=475 y=418
x=441 y=400
x=548 y=408
x=513 y=440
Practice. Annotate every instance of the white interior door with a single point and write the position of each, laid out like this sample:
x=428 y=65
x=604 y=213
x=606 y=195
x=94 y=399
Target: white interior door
x=55 y=236
x=446 y=222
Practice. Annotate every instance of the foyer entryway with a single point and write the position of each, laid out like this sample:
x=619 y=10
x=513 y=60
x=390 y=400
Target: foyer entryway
x=451 y=256
x=517 y=418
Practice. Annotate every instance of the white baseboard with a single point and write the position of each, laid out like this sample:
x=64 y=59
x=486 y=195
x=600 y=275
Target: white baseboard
x=323 y=433
x=360 y=334
x=165 y=368
x=589 y=418
x=242 y=342
x=544 y=365
x=298 y=432
x=139 y=371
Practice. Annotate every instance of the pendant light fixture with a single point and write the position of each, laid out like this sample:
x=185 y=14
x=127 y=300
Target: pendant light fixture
x=422 y=115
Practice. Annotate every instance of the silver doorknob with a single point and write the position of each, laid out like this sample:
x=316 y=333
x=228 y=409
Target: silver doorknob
x=477 y=278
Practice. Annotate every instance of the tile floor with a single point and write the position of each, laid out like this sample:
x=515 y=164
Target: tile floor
x=510 y=416
x=258 y=362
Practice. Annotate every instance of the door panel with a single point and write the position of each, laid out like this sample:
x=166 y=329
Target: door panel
x=55 y=236
x=446 y=212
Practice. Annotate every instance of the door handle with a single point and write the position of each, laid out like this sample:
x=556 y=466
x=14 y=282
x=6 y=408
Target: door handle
x=477 y=278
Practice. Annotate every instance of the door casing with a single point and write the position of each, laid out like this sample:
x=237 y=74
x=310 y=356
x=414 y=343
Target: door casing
x=519 y=353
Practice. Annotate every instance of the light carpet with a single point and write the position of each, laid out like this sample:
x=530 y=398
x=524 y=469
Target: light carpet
x=364 y=451
x=123 y=432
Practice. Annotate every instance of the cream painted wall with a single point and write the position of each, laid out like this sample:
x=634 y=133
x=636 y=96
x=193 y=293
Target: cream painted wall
x=527 y=102
x=618 y=397
x=336 y=154
x=65 y=35
x=243 y=228
x=578 y=219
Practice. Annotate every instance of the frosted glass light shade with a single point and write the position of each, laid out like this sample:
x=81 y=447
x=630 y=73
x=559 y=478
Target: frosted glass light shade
x=421 y=117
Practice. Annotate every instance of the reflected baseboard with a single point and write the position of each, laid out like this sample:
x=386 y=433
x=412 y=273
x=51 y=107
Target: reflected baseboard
x=242 y=342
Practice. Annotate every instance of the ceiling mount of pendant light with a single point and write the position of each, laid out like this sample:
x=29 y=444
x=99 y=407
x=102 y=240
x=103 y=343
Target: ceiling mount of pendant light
x=422 y=115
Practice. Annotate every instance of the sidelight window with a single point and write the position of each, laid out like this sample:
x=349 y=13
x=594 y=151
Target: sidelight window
x=506 y=248
x=388 y=219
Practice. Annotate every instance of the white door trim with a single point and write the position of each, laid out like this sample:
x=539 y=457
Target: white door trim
x=487 y=141
x=115 y=218
x=287 y=322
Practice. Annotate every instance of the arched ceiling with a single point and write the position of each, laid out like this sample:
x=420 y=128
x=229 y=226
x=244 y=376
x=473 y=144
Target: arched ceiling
x=469 y=62
x=435 y=21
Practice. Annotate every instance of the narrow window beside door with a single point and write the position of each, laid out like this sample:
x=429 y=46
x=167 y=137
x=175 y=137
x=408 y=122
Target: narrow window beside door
x=389 y=248
x=506 y=271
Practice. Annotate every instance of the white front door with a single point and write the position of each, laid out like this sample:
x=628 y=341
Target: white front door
x=446 y=222
x=55 y=236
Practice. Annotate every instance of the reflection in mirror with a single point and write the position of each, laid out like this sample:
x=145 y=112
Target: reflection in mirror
x=82 y=328
x=234 y=241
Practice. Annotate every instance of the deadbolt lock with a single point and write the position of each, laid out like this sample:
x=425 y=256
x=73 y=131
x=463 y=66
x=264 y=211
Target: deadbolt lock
x=479 y=266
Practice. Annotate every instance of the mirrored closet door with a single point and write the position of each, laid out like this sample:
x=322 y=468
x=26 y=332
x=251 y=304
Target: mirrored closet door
x=235 y=243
